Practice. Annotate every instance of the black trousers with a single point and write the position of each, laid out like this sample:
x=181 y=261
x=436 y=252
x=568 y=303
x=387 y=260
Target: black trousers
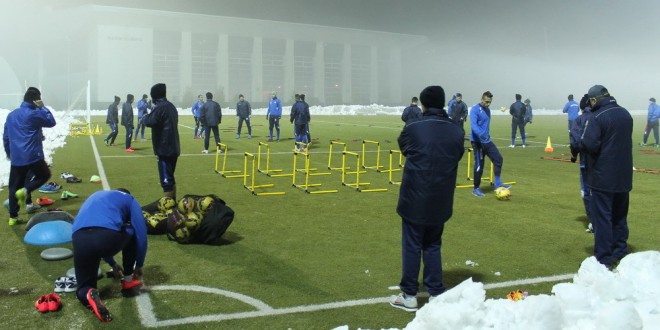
x=18 y=178
x=207 y=136
x=609 y=216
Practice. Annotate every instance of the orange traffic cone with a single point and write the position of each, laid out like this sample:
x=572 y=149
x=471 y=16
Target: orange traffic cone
x=548 y=146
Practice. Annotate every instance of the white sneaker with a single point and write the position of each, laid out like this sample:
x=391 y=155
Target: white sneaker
x=205 y=151
x=70 y=284
x=66 y=175
x=512 y=146
x=524 y=145
x=60 y=284
x=408 y=304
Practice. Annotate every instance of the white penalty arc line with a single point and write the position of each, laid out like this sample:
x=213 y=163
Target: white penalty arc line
x=148 y=317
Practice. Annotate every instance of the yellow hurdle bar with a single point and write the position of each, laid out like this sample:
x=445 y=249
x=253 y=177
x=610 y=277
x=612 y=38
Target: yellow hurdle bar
x=252 y=187
x=392 y=169
x=224 y=172
x=470 y=172
x=308 y=172
x=267 y=170
x=364 y=157
x=333 y=143
x=357 y=185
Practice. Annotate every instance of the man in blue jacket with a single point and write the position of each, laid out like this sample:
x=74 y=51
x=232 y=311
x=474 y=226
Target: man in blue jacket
x=482 y=145
x=22 y=139
x=143 y=106
x=300 y=119
x=112 y=119
x=652 y=122
x=127 y=120
x=109 y=222
x=517 y=111
x=412 y=111
x=196 y=107
x=573 y=111
x=433 y=146
x=164 y=123
x=273 y=115
x=607 y=144
x=211 y=116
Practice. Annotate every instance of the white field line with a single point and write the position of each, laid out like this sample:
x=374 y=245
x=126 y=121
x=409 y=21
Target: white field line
x=148 y=317
x=99 y=165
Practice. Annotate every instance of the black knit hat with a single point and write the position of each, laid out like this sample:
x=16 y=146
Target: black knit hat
x=433 y=97
x=32 y=94
x=158 y=91
x=209 y=96
x=584 y=102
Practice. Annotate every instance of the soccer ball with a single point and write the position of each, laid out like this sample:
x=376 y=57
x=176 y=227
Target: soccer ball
x=166 y=203
x=204 y=203
x=186 y=205
x=502 y=194
x=192 y=221
x=180 y=235
x=156 y=219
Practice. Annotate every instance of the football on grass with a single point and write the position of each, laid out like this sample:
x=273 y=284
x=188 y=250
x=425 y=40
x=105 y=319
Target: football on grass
x=502 y=194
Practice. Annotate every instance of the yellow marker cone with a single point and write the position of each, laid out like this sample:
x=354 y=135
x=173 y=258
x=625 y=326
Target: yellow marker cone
x=548 y=146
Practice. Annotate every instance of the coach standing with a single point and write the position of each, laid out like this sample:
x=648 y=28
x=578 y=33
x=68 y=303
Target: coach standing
x=607 y=143
x=433 y=146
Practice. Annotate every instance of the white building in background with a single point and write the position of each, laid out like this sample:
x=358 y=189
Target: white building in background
x=126 y=50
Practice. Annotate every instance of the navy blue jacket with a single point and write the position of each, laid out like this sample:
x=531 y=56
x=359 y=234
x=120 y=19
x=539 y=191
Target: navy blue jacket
x=210 y=114
x=127 y=114
x=113 y=114
x=164 y=123
x=433 y=147
x=243 y=109
x=517 y=111
x=411 y=112
x=607 y=144
x=458 y=111
x=23 y=136
x=300 y=113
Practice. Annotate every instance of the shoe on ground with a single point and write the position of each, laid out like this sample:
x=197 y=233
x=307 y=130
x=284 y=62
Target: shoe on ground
x=477 y=192
x=21 y=195
x=67 y=194
x=60 y=284
x=402 y=301
x=50 y=188
x=15 y=221
x=73 y=179
x=97 y=306
x=524 y=146
x=70 y=284
x=107 y=143
x=505 y=186
x=31 y=208
x=42 y=304
x=45 y=201
x=590 y=228
x=54 y=302
x=205 y=151
x=238 y=136
x=270 y=140
x=512 y=146
x=134 y=283
x=129 y=150
x=249 y=136
x=66 y=175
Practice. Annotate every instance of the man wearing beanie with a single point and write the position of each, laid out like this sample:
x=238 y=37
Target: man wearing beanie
x=210 y=116
x=143 y=108
x=127 y=120
x=433 y=146
x=652 y=123
x=607 y=145
x=482 y=145
x=112 y=119
x=22 y=140
x=164 y=123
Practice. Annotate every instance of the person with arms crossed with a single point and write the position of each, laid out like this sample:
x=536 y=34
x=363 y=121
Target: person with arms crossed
x=109 y=222
x=164 y=123
x=243 y=112
x=433 y=147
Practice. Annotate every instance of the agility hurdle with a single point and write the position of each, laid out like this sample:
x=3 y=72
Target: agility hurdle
x=333 y=143
x=307 y=172
x=252 y=187
x=490 y=179
x=364 y=156
x=224 y=172
x=357 y=185
x=268 y=171
x=392 y=169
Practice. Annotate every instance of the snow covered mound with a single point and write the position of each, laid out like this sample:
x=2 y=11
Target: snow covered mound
x=628 y=298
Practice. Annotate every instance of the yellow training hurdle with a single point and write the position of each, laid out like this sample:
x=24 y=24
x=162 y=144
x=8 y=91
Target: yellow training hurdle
x=252 y=187
x=357 y=185
x=333 y=143
x=392 y=169
x=307 y=173
x=364 y=157
x=470 y=172
x=268 y=171
x=224 y=172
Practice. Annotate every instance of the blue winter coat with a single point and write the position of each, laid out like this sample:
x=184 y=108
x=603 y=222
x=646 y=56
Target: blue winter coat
x=411 y=112
x=127 y=115
x=143 y=108
x=517 y=111
x=22 y=137
x=572 y=109
x=274 y=108
x=300 y=113
x=458 y=111
x=480 y=124
x=196 y=108
x=433 y=147
x=607 y=144
x=654 y=112
x=113 y=114
x=210 y=114
x=164 y=123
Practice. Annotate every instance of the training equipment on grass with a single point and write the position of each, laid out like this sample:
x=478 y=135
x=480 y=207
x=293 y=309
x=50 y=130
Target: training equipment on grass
x=502 y=194
x=186 y=205
x=56 y=254
x=250 y=158
x=49 y=233
x=377 y=166
x=332 y=144
x=548 y=146
x=165 y=204
x=192 y=220
x=223 y=149
x=268 y=171
x=357 y=185
x=307 y=172
x=392 y=168
x=204 y=203
x=48 y=216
